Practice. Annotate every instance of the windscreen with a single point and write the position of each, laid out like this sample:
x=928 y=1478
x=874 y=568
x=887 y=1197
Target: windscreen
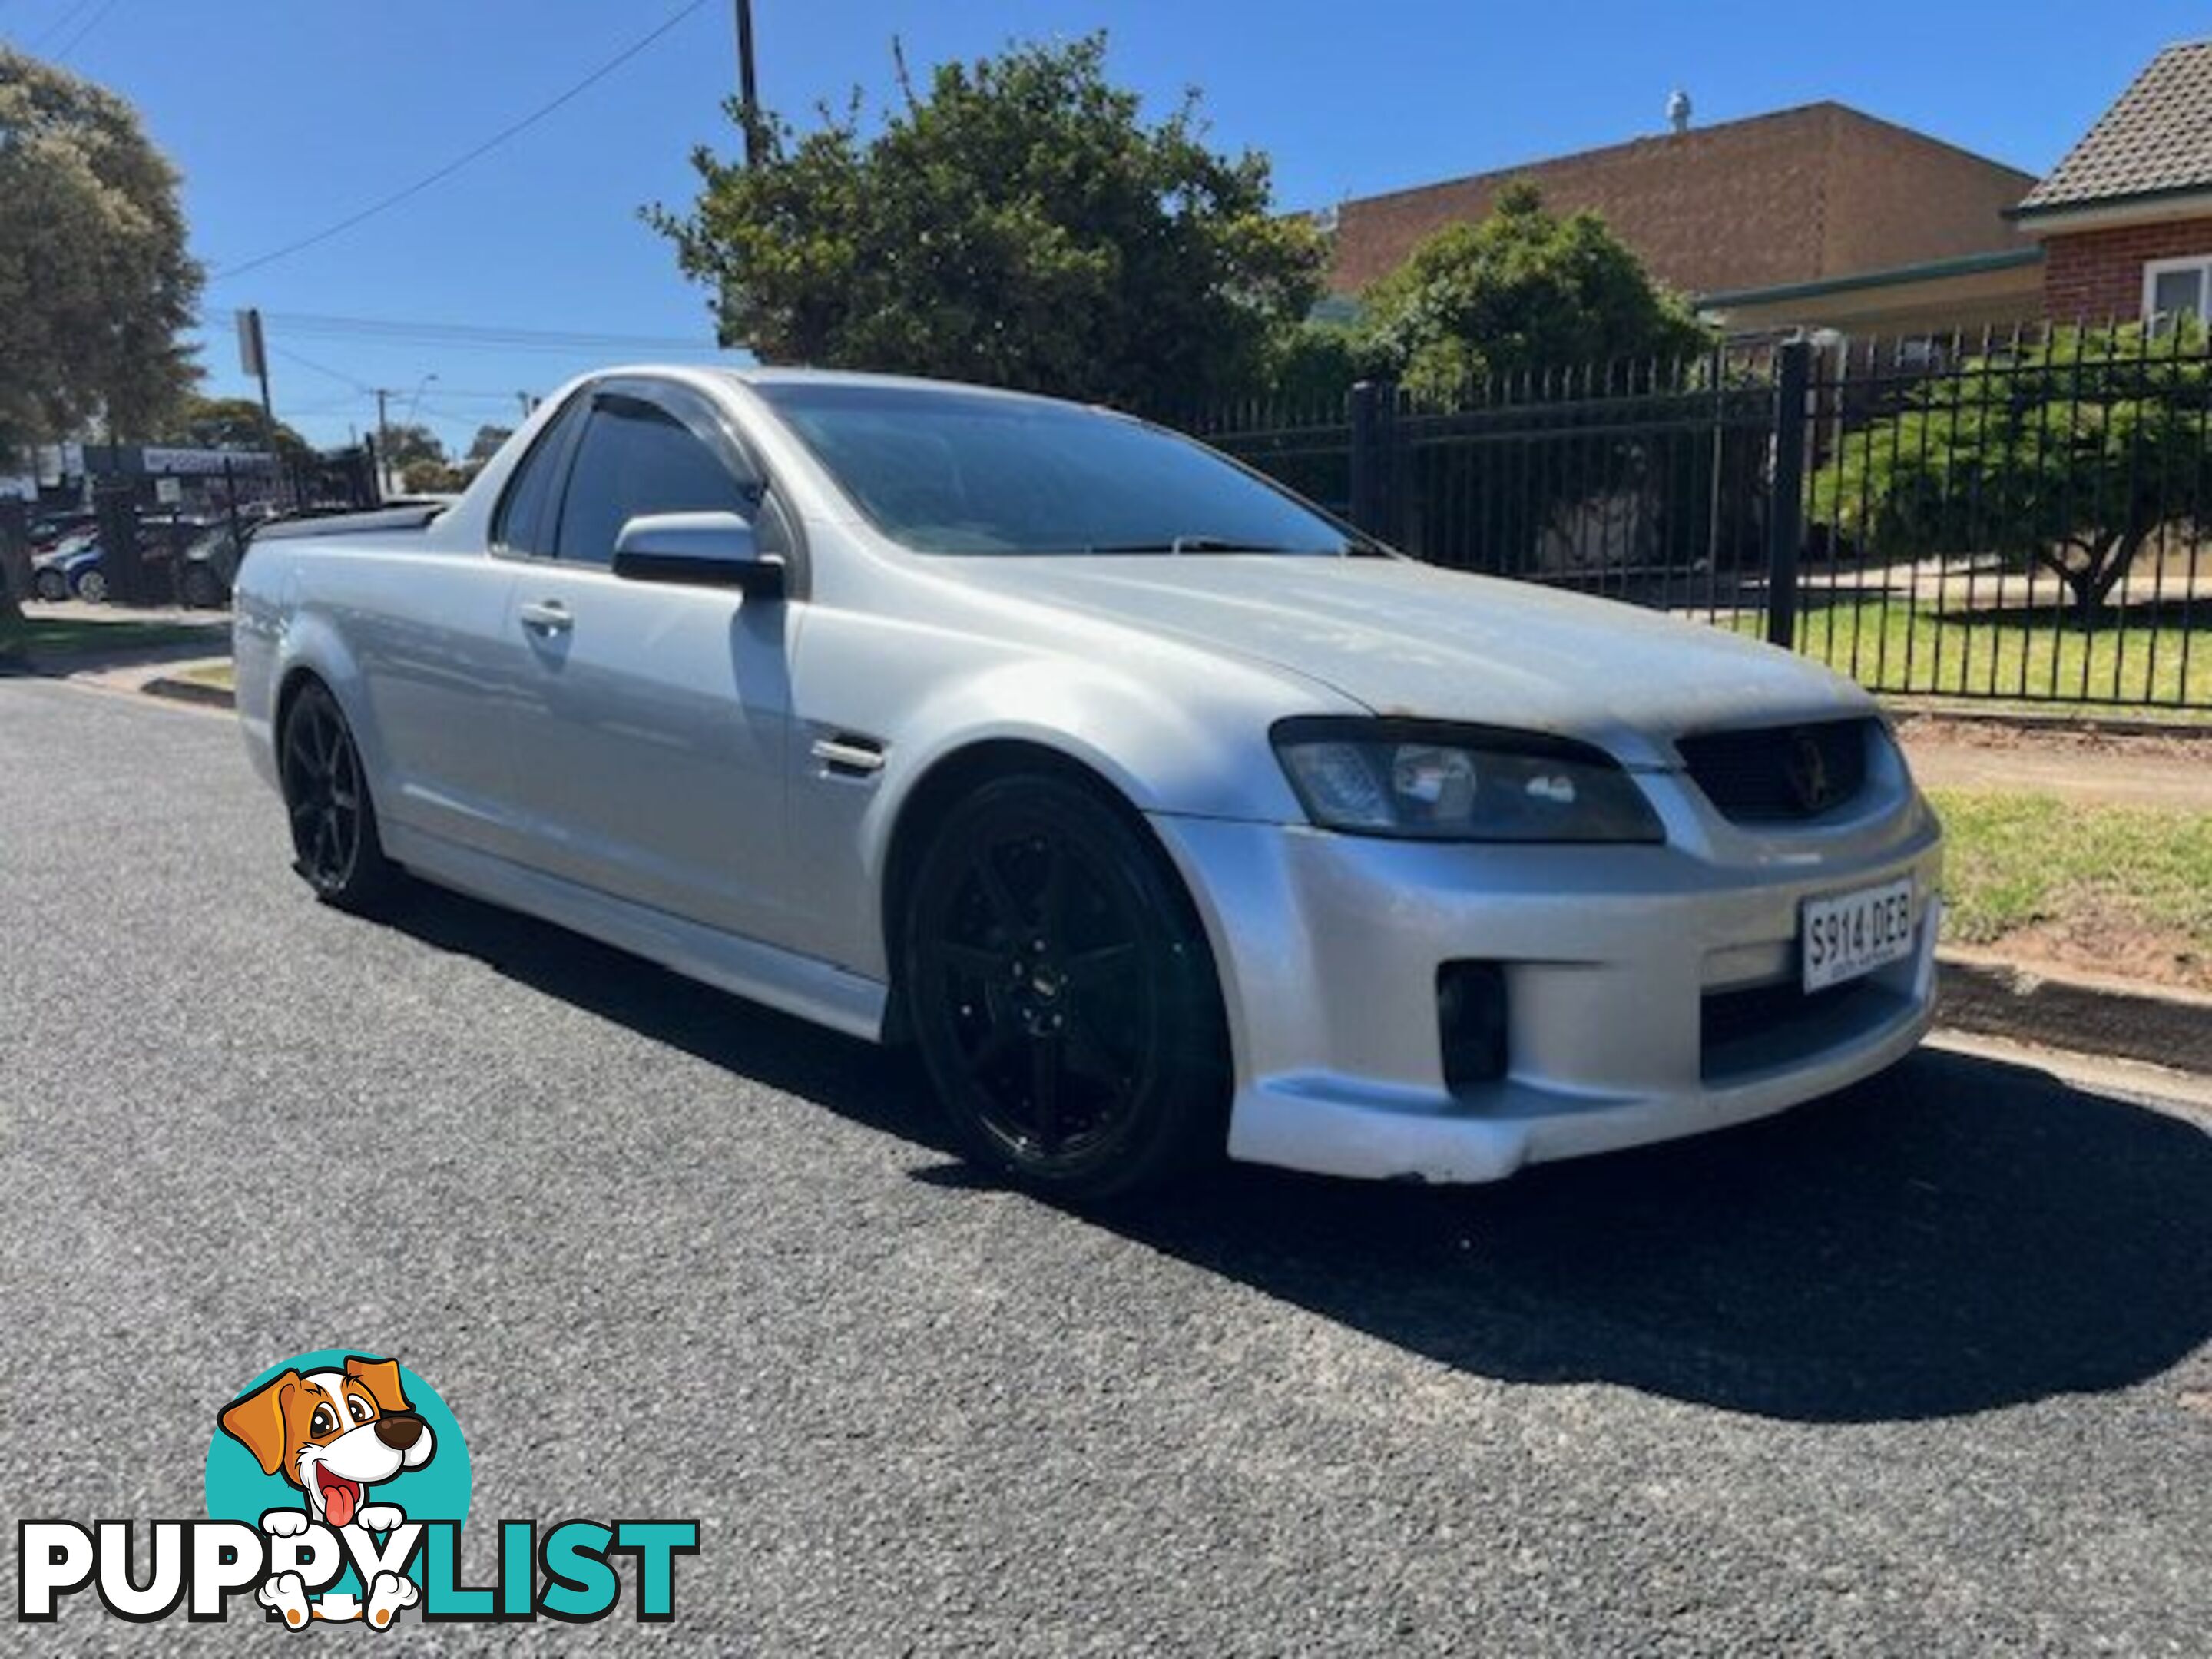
x=948 y=471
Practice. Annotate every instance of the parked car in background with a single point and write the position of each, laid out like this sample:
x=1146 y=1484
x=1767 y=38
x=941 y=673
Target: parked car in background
x=1163 y=813
x=84 y=574
x=50 y=568
x=49 y=530
x=76 y=568
x=210 y=566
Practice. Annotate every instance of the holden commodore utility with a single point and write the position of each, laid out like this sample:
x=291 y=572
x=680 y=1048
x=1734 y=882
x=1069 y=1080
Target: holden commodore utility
x=1163 y=814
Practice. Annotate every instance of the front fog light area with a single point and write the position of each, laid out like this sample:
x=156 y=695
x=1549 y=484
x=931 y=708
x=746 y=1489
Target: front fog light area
x=1471 y=1023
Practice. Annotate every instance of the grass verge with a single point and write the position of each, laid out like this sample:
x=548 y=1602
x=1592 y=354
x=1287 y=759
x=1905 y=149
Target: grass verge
x=2121 y=890
x=55 y=636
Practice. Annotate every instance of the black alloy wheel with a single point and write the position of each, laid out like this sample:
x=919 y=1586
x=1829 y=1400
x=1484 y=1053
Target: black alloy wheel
x=334 y=837
x=1062 y=993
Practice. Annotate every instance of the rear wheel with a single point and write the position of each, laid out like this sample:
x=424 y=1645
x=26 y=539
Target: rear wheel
x=1061 y=994
x=50 y=585
x=91 y=586
x=337 y=849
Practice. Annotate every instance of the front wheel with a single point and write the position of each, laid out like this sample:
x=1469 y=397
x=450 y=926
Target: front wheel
x=200 y=588
x=50 y=585
x=92 y=587
x=338 y=851
x=1062 y=993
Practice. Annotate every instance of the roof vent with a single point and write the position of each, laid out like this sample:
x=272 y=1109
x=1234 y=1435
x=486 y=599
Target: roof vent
x=1677 y=110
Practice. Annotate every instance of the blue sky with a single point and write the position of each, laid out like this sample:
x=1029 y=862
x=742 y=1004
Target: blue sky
x=286 y=115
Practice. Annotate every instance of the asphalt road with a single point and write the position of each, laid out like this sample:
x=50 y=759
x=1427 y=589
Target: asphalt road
x=1922 y=1369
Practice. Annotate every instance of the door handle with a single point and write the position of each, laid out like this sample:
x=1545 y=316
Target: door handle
x=547 y=617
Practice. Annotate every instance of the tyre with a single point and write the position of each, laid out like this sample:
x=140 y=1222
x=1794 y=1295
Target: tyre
x=199 y=587
x=337 y=849
x=50 y=585
x=1061 y=993
x=91 y=586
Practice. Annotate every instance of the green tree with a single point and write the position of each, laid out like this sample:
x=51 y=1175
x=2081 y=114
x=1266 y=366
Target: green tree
x=485 y=444
x=1019 y=223
x=2069 y=454
x=1312 y=366
x=1522 y=289
x=407 y=443
x=235 y=423
x=95 y=285
x=424 y=476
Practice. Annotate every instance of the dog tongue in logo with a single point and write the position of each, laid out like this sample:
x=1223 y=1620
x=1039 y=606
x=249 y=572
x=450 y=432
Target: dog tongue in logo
x=340 y=1495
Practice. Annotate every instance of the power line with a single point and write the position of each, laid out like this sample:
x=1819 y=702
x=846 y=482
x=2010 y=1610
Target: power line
x=62 y=22
x=462 y=160
x=310 y=363
x=446 y=393
x=471 y=336
x=91 y=23
x=483 y=334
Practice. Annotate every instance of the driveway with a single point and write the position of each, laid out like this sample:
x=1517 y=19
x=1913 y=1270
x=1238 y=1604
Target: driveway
x=1924 y=1368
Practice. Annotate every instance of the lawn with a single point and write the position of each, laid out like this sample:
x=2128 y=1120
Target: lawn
x=2125 y=889
x=45 y=636
x=2039 y=654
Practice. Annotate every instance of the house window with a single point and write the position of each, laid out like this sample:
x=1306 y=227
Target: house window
x=2173 y=289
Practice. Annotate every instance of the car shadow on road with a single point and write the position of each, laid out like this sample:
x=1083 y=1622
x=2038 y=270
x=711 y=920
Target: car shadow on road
x=858 y=1080
x=1960 y=1235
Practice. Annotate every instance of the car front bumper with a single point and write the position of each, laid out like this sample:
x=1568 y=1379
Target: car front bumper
x=1616 y=962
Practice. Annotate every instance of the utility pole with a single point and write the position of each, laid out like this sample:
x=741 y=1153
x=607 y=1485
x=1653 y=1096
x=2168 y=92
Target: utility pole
x=384 y=394
x=253 y=358
x=748 y=92
x=383 y=439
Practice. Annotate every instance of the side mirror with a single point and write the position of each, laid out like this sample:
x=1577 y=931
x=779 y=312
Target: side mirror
x=699 y=550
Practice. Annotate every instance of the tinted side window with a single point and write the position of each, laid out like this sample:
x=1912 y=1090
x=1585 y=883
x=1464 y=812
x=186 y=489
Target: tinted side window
x=525 y=514
x=637 y=457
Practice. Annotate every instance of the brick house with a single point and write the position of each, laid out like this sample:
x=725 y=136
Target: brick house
x=1816 y=215
x=2125 y=218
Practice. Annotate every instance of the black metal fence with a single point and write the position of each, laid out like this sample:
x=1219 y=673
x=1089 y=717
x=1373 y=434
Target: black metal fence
x=182 y=547
x=2019 y=516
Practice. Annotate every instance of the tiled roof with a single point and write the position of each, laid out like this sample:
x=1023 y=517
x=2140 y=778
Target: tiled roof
x=2156 y=139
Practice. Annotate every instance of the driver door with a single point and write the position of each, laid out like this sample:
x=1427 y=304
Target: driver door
x=649 y=749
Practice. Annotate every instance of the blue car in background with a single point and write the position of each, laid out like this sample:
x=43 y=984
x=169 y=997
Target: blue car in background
x=73 y=569
x=53 y=572
x=84 y=578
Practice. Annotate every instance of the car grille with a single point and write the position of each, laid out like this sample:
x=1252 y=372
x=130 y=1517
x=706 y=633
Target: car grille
x=1781 y=773
x=1746 y=1031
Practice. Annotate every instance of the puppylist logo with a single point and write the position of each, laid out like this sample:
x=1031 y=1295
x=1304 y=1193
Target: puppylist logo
x=337 y=1485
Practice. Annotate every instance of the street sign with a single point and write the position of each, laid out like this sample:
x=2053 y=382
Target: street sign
x=252 y=358
x=168 y=491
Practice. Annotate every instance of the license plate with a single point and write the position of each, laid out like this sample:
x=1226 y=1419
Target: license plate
x=1848 y=934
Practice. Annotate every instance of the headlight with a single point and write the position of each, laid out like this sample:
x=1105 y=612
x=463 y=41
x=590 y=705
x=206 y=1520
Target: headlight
x=1430 y=781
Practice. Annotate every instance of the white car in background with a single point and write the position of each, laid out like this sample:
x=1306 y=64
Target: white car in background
x=1164 y=814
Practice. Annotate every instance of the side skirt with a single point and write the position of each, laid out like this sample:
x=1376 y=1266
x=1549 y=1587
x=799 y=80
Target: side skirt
x=805 y=986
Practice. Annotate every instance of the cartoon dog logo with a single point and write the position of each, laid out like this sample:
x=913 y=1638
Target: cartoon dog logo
x=333 y=1434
